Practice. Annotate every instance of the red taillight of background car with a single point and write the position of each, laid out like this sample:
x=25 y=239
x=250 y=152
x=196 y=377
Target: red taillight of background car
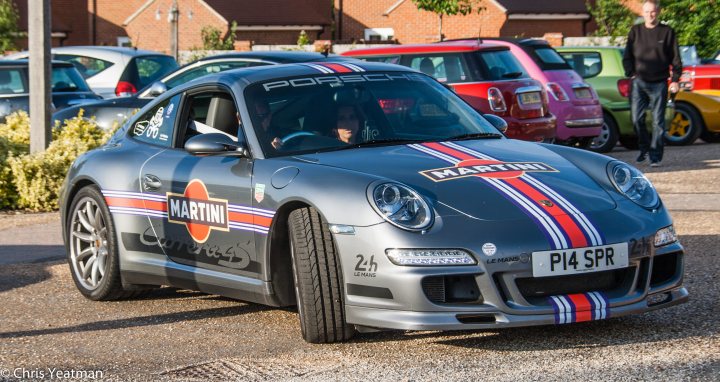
x=398 y=105
x=124 y=89
x=557 y=92
x=623 y=86
x=496 y=100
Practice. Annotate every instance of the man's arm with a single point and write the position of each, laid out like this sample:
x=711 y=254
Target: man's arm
x=676 y=58
x=628 y=57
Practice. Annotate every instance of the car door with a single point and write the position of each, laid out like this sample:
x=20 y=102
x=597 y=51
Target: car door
x=208 y=220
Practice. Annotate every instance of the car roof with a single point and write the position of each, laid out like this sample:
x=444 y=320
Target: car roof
x=526 y=41
x=119 y=50
x=24 y=62
x=564 y=48
x=249 y=76
x=459 y=46
x=281 y=57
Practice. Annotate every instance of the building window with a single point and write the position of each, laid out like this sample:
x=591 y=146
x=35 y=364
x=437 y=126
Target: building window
x=379 y=34
x=124 y=41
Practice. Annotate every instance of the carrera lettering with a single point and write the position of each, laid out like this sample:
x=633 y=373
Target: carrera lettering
x=489 y=170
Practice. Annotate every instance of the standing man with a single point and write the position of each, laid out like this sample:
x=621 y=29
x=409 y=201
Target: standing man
x=651 y=52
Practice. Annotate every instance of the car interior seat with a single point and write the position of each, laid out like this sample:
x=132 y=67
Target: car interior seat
x=452 y=69
x=222 y=115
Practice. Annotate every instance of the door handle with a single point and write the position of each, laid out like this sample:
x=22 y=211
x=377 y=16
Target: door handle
x=151 y=182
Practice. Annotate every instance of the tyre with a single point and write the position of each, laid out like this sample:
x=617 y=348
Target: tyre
x=685 y=126
x=709 y=136
x=318 y=279
x=630 y=142
x=92 y=251
x=608 y=137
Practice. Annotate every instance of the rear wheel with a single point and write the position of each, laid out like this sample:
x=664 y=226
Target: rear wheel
x=318 y=279
x=92 y=249
x=608 y=137
x=685 y=126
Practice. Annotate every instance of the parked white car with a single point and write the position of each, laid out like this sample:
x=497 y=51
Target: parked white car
x=113 y=71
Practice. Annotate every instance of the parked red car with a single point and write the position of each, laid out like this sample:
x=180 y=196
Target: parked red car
x=697 y=75
x=572 y=101
x=486 y=76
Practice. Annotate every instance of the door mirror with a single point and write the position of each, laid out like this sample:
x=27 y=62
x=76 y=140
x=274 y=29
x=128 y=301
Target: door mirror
x=497 y=122
x=157 y=88
x=215 y=144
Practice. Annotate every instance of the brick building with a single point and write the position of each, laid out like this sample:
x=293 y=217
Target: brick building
x=401 y=20
x=144 y=23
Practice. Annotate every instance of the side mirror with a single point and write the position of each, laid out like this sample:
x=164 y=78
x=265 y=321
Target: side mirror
x=157 y=88
x=215 y=144
x=497 y=122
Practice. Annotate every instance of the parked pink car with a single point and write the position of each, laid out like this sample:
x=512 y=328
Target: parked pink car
x=572 y=100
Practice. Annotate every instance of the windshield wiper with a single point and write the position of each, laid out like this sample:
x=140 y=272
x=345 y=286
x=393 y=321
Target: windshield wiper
x=512 y=75
x=380 y=142
x=463 y=137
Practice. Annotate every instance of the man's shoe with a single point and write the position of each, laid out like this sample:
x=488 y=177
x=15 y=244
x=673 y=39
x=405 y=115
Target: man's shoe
x=655 y=164
x=642 y=157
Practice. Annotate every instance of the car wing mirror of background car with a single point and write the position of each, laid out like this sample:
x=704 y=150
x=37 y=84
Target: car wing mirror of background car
x=215 y=144
x=497 y=122
x=157 y=88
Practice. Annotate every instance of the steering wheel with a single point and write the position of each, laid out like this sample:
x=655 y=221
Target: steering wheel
x=295 y=135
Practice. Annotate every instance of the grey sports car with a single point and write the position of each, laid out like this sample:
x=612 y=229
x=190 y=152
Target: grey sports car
x=371 y=197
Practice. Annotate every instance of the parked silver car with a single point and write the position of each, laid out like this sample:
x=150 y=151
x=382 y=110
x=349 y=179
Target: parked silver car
x=113 y=71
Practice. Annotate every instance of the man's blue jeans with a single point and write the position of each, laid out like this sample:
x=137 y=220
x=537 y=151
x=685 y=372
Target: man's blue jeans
x=652 y=95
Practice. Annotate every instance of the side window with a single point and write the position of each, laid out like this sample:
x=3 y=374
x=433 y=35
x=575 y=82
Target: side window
x=210 y=112
x=210 y=68
x=11 y=81
x=586 y=64
x=87 y=66
x=156 y=126
x=383 y=59
x=445 y=68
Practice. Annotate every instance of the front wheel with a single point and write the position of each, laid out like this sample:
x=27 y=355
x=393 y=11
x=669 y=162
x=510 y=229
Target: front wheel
x=318 y=279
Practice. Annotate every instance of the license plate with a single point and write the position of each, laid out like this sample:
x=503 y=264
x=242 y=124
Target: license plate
x=579 y=260
x=582 y=93
x=529 y=98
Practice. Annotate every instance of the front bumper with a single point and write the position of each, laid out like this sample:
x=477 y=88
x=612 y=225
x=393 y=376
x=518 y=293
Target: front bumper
x=380 y=294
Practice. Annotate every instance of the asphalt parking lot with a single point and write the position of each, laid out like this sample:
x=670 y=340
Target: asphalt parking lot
x=171 y=334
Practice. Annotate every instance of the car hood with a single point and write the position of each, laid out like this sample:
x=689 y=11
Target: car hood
x=492 y=191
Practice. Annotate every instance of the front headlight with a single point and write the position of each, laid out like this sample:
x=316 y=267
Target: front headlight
x=401 y=206
x=633 y=184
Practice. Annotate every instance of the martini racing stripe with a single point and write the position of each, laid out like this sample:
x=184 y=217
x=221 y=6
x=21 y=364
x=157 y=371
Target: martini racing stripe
x=155 y=206
x=590 y=231
x=553 y=231
x=580 y=307
x=318 y=67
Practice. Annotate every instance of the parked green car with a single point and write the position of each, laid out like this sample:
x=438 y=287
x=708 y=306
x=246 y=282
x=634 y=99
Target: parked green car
x=602 y=68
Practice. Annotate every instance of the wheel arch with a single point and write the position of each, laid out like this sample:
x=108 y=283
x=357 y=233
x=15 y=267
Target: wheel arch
x=76 y=186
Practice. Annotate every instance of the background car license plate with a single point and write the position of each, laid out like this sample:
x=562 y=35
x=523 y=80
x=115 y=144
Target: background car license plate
x=529 y=98
x=581 y=93
x=579 y=260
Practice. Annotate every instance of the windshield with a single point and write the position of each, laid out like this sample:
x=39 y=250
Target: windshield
x=67 y=79
x=324 y=113
x=547 y=58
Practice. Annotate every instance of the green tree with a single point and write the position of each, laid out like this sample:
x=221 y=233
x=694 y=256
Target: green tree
x=212 y=38
x=448 y=7
x=612 y=17
x=696 y=22
x=8 y=25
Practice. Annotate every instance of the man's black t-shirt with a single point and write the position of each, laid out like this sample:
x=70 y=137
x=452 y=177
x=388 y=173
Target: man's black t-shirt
x=650 y=52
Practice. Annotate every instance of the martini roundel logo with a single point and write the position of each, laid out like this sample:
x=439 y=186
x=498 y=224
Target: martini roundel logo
x=486 y=169
x=197 y=211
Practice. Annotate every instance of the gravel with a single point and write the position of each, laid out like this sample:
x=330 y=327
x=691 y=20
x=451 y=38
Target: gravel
x=184 y=335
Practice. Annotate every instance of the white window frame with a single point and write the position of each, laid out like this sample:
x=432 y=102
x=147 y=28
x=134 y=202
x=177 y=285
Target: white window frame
x=384 y=33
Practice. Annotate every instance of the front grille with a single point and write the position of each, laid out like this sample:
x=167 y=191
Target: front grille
x=605 y=281
x=451 y=289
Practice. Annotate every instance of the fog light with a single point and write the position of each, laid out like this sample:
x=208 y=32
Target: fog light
x=665 y=236
x=429 y=257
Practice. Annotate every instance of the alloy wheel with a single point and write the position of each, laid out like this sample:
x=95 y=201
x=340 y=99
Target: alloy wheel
x=88 y=244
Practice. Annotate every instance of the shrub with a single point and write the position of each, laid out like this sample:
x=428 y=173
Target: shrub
x=14 y=141
x=303 y=38
x=38 y=177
